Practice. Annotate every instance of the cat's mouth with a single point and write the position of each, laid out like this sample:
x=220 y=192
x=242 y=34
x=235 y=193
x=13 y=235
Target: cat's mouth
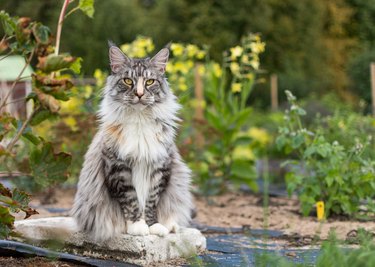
x=141 y=101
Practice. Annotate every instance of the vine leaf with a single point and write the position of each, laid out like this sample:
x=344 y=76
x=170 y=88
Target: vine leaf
x=48 y=167
x=87 y=7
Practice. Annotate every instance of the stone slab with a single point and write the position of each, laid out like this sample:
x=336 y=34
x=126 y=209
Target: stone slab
x=134 y=249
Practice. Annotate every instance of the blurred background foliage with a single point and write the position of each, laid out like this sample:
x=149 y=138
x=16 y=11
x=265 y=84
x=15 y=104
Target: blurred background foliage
x=313 y=46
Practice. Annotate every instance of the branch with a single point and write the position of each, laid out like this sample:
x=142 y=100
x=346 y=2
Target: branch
x=19 y=133
x=3 y=103
x=59 y=26
x=5 y=56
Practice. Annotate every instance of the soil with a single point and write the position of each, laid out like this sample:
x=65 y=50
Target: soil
x=32 y=262
x=237 y=210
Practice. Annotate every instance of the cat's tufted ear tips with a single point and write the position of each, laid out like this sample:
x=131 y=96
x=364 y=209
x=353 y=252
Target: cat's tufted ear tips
x=117 y=58
x=160 y=59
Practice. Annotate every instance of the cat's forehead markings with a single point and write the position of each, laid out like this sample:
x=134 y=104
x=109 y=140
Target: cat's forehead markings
x=139 y=68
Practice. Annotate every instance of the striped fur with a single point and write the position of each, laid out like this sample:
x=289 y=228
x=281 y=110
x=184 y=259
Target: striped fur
x=133 y=179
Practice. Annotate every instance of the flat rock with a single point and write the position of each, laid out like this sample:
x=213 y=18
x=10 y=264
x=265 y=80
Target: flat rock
x=133 y=249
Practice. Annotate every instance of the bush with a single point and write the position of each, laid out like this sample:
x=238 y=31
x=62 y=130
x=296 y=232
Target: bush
x=339 y=175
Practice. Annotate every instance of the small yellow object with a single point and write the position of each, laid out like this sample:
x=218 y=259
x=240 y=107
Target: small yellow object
x=320 y=210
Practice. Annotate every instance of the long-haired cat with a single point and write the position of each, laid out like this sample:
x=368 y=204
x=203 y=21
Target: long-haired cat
x=133 y=179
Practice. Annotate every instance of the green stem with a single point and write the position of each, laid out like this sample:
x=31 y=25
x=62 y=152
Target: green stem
x=20 y=132
x=59 y=26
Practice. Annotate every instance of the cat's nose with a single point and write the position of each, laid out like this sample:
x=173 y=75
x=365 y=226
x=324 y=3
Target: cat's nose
x=139 y=94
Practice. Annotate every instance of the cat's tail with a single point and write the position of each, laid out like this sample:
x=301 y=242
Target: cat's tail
x=175 y=204
x=93 y=210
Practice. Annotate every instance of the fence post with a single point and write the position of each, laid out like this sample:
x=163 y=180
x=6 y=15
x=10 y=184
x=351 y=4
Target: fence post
x=372 y=73
x=274 y=93
x=198 y=92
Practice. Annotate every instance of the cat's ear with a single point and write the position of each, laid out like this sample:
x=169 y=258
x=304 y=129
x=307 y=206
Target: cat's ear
x=117 y=58
x=160 y=59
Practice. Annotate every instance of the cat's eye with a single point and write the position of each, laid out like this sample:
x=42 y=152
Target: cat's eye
x=150 y=81
x=128 y=81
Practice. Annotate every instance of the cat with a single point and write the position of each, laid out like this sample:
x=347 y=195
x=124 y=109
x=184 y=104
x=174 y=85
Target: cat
x=133 y=179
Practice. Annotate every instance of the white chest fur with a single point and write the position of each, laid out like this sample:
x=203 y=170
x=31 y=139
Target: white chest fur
x=142 y=139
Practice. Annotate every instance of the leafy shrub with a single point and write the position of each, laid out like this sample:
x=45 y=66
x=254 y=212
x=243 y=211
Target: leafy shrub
x=328 y=171
x=22 y=152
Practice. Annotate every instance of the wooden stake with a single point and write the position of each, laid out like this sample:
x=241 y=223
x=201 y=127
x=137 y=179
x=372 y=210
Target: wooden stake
x=198 y=116
x=372 y=73
x=274 y=93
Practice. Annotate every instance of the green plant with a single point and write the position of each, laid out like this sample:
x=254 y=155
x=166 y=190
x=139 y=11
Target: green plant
x=340 y=176
x=23 y=153
x=226 y=151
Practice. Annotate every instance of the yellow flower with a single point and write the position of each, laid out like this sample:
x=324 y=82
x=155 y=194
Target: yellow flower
x=236 y=52
x=190 y=64
x=100 y=77
x=72 y=106
x=126 y=48
x=195 y=103
x=201 y=54
x=243 y=153
x=254 y=63
x=181 y=67
x=245 y=59
x=201 y=70
x=182 y=86
x=192 y=50
x=139 y=52
x=177 y=49
x=71 y=122
x=217 y=70
x=235 y=68
x=257 y=47
x=88 y=91
x=236 y=87
x=259 y=135
x=249 y=76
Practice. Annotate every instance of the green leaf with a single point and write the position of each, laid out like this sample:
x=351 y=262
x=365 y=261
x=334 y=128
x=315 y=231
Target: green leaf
x=6 y=222
x=281 y=141
x=240 y=118
x=298 y=140
x=54 y=62
x=243 y=169
x=87 y=7
x=243 y=141
x=41 y=33
x=9 y=24
x=76 y=66
x=40 y=116
x=21 y=197
x=214 y=120
x=49 y=167
x=31 y=137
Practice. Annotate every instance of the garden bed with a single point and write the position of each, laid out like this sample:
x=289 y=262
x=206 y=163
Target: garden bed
x=235 y=210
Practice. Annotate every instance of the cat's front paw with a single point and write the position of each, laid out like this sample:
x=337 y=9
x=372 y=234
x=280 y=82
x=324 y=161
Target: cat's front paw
x=138 y=228
x=158 y=229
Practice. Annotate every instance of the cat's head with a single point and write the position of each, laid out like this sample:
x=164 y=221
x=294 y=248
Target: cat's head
x=138 y=82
